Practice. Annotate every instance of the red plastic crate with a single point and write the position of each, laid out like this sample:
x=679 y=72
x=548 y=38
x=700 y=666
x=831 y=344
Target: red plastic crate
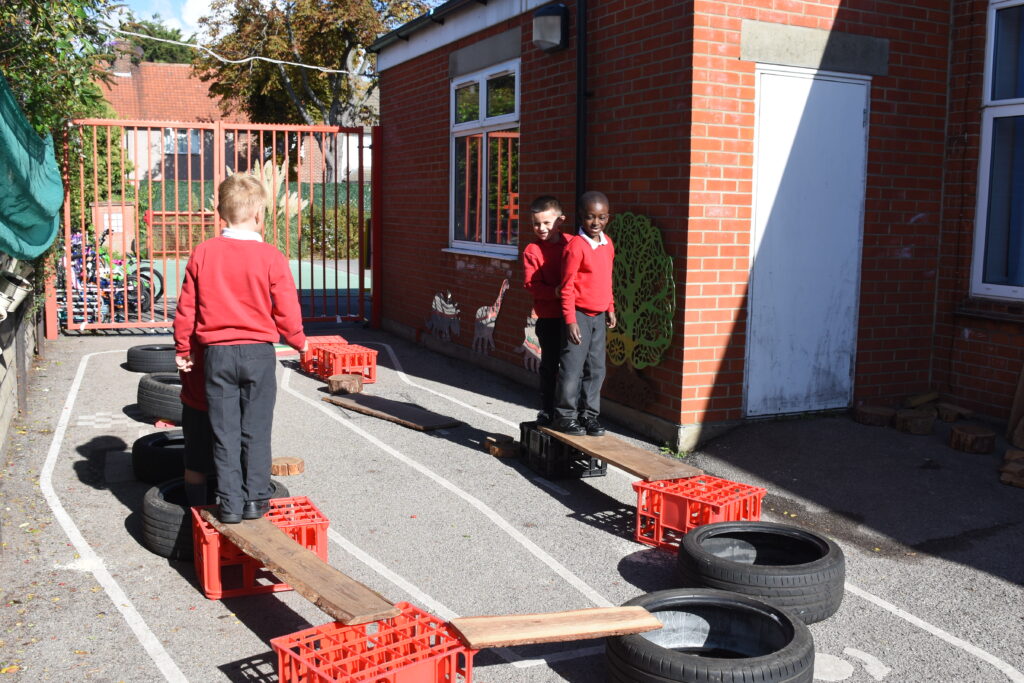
x=413 y=647
x=335 y=359
x=668 y=509
x=326 y=339
x=224 y=571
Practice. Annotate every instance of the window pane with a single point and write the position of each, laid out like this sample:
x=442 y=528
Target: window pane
x=501 y=95
x=467 y=188
x=503 y=187
x=1004 y=231
x=1007 y=75
x=467 y=103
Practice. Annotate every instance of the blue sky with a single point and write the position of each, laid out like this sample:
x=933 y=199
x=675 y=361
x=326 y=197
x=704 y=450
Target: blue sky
x=182 y=14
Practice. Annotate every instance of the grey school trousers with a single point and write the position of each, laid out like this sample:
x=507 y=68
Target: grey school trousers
x=241 y=389
x=582 y=371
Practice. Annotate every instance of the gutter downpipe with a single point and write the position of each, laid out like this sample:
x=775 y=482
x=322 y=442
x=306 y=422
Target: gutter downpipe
x=581 y=99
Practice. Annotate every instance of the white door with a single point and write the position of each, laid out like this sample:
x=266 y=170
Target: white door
x=809 y=181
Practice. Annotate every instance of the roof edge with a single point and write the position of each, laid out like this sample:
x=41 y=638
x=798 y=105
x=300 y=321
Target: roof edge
x=434 y=16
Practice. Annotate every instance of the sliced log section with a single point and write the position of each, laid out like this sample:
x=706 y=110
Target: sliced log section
x=972 y=438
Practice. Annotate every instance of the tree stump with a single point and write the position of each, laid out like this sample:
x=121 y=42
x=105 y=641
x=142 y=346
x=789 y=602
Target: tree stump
x=972 y=438
x=345 y=383
x=949 y=412
x=914 y=421
x=283 y=466
x=876 y=416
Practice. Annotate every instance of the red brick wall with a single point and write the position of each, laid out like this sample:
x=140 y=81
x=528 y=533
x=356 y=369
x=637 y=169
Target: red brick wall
x=978 y=342
x=902 y=206
x=671 y=137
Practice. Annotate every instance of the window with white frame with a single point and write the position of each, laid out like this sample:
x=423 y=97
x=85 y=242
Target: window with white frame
x=181 y=140
x=485 y=160
x=998 y=265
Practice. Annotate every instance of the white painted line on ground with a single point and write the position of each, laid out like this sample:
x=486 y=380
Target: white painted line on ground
x=473 y=501
x=88 y=556
x=872 y=665
x=405 y=378
x=1011 y=673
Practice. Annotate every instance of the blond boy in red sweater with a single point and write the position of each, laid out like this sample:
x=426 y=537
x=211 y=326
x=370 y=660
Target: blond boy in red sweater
x=237 y=299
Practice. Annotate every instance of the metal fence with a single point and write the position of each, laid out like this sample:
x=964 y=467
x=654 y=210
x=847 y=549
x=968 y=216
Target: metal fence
x=140 y=195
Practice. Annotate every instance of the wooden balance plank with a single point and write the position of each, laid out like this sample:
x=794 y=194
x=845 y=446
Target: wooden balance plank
x=406 y=414
x=340 y=596
x=524 y=629
x=644 y=464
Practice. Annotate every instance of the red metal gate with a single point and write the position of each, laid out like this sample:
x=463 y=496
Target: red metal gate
x=140 y=195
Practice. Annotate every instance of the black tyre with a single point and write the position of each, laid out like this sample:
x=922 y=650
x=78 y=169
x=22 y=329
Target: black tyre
x=786 y=565
x=158 y=457
x=160 y=396
x=167 y=520
x=151 y=357
x=712 y=636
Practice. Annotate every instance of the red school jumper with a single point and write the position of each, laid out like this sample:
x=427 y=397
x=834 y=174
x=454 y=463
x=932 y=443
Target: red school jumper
x=237 y=292
x=587 y=278
x=542 y=273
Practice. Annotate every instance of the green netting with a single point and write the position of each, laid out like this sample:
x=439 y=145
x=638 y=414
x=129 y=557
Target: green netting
x=31 y=192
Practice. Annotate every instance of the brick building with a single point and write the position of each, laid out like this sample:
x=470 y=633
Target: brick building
x=815 y=169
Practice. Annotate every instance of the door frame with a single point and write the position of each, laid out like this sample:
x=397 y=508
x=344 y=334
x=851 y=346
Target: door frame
x=760 y=71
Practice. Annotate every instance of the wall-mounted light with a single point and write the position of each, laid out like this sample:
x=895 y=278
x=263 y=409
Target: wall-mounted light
x=551 y=27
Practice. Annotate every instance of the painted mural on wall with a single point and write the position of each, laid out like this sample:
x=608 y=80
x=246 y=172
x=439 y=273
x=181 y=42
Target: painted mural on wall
x=486 y=317
x=530 y=348
x=645 y=293
x=645 y=304
x=443 y=321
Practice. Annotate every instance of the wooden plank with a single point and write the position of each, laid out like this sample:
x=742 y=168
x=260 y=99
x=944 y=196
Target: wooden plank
x=524 y=629
x=644 y=464
x=406 y=414
x=340 y=596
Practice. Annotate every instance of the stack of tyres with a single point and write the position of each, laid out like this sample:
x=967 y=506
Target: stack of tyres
x=553 y=459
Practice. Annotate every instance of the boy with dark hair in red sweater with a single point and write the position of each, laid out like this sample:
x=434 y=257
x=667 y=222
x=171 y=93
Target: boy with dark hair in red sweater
x=237 y=299
x=589 y=308
x=542 y=275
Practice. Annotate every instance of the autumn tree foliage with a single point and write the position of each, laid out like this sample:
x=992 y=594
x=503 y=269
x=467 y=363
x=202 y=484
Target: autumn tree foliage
x=333 y=34
x=645 y=293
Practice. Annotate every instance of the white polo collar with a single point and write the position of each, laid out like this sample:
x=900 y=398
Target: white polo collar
x=591 y=242
x=236 y=234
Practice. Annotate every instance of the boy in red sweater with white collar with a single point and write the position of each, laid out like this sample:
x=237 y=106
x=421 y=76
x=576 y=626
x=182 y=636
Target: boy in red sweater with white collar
x=589 y=308
x=542 y=275
x=237 y=299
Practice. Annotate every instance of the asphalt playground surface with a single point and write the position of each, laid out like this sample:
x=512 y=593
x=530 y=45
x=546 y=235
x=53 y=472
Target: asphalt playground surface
x=934 y=544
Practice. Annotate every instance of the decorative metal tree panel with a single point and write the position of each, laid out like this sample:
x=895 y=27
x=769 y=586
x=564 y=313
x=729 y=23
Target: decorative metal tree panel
x=645 y=293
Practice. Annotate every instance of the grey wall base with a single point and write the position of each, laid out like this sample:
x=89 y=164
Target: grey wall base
x=17 y=347
x=660 y=431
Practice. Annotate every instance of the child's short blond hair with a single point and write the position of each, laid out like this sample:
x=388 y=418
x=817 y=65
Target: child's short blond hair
x=239 y=196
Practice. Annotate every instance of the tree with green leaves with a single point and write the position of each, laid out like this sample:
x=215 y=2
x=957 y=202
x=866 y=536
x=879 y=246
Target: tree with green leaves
x=645 y=293
x=51 y=52
x=332 y=34
x=157 y=50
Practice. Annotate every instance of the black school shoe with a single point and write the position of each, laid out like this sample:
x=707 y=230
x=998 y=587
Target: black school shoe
x=228 y=517
x=569 y=426
x=543 y=419
x=254 y=509
x=592 y=426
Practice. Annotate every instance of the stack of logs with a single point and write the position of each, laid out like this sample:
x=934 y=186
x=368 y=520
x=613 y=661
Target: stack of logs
x=919 y=412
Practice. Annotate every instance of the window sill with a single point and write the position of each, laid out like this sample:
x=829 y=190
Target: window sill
x=991 y=309
x=500 y=255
